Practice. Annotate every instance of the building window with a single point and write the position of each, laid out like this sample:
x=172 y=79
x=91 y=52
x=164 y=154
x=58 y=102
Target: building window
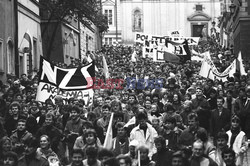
x=10 y=58
x=198 y=8
x=137 y=20
x=109 y=15
x=108 y=41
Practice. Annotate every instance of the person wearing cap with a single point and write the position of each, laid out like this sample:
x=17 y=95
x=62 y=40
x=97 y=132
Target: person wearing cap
x=237 y=140
x=144 y=133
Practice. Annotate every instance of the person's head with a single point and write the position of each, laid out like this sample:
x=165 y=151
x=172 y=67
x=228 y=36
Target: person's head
x=178 y=159
x=160 y=143
x=5 y=144
x=220 y=101
x=58 y=100
x=31 y=146
x=201 y=135
x=49 y=119
x=104 y=154
x=77 y=157
x=198 y=148
x=75 y=112
x=116 y=106
x=199 y=92
x=90 y=137
x=111 y=162
x=193 y=121
x=44 y=142
x=228 y=156
x=121 y=132
x=142 y=117
x=143 y=152
x=21 y=125
x=10 y=159
x=132 y=147
x=105 y=110
x=148 y=104
x=33 y=106
x=91 y=153
x=15 y=108
x=221 y=140
x=85 y=126
x=235 y=122
x=99 y=101
x=169 y=123
x=132 y=99
x=124 y=160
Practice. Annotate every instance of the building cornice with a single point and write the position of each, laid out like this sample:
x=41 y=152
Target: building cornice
x=29 y=13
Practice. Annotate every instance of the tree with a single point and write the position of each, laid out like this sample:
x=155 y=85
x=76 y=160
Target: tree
x=86 y=11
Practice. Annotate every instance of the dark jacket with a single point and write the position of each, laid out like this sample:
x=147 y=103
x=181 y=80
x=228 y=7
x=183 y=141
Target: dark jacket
x=219 y=122
x=162 y=158
x=37 y=161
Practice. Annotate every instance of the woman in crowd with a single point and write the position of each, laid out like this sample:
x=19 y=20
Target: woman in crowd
x=5 y=146
x=44 y=150
x=144 y=159
x=90 y=140
x=237 y=140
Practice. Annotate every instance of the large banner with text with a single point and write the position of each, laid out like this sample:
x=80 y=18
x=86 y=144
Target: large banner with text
x=67 y=83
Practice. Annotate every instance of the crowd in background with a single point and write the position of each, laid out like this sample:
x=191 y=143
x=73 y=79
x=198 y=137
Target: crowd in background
x=189 y=121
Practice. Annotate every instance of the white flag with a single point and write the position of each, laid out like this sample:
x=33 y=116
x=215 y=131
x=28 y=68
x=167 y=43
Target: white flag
x=109 y=135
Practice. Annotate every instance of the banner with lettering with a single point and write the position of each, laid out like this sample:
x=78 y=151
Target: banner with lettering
x=142 y=38
x=68 y=83
x=209 y=70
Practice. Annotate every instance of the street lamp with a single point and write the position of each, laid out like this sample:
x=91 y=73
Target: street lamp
x=232 y=8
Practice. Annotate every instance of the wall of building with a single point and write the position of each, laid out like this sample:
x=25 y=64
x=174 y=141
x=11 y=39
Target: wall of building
x=89 y=39
x=7 y=32
x=161 y=16
x=29 y=21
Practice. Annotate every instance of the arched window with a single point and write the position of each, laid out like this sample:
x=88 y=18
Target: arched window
x=137 y=20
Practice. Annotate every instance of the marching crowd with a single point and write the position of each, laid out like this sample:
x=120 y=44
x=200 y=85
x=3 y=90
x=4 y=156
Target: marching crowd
x=188 y=121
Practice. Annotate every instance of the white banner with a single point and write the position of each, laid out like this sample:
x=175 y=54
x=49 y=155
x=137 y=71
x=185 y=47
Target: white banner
x=141 y=38
x=47 y=91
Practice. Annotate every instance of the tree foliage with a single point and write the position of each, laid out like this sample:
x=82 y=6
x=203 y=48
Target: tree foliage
x=86 y=11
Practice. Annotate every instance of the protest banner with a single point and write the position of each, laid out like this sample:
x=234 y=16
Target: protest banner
x=68 y=83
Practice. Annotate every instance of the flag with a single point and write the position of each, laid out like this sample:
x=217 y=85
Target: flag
x=186 y=48
x=72 y=35
x=233 y=68
x=139 y=158
x=89 y=59
x=109 y=135
x=28 y=38
x=206 y=70
x=171 y=57
x=105 y=67
x=240 y=65
x=133 y=57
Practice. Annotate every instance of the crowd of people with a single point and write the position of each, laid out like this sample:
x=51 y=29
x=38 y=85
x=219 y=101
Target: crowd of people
x=188 y=121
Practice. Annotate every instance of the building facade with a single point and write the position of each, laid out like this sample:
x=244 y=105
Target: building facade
x=7 y=39
x=29 y=22
x=235 y=27
x=158 y=17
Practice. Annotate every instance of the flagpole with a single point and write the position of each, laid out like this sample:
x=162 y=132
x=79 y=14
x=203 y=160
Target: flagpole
x=139 y=158
x=21 y=43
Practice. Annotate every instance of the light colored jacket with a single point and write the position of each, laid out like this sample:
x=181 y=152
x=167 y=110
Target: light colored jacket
x=148 y=140
x=240 y=146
